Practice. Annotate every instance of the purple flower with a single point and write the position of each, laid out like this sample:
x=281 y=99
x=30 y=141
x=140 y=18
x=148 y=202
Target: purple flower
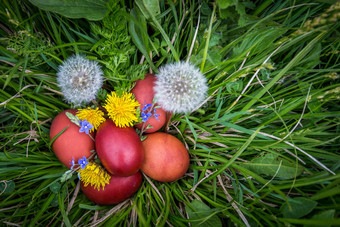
x=146 y=107
x=156 y=115
x=72 y=163
x=145 y=116
x=83 y=162
x=85 y=126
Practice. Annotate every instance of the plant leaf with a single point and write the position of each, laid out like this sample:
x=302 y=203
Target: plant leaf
x=55 y=187
x=272 y=165
x=152 y=6
x=200 y=210
x=327 y=215
x=223 y=4
x=74 y=119
x=298 y=207
x=7 y=187
x=67 y=175
x=91 y=10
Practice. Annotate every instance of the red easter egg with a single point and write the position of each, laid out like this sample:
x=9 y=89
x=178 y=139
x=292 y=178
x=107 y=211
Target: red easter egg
x=166 y=158
x=118 y=189
x=120 y=150
x=71 y=144
x=144 y=94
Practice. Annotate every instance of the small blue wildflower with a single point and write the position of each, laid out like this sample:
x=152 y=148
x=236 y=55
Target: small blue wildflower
x=85 y=126
x=156 y=115
x=83 y=162
x=72 y=163
x=145 y=116
x=146 y=107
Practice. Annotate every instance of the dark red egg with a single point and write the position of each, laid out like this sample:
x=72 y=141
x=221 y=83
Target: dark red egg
x=118 y=189
x=71 y=144
x=120 y=150
x=144 y=94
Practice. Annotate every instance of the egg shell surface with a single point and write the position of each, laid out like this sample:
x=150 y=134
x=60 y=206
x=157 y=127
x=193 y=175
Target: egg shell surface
x=71 y=144
x=118 y=189
x=166 y=158
x=144 y=94
x=120 y=150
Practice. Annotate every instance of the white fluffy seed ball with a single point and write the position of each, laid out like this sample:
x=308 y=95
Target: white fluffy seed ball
x=180 y=87
x=79 y=79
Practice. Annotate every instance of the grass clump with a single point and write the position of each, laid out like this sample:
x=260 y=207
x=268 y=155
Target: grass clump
x=263 y=145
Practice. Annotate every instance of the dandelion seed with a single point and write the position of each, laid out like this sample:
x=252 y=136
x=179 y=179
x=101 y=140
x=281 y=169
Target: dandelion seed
x=180 y=87
x=94 y=175
x=79 y=79
x=94 y=116
x=122 y=109
x=85 y=126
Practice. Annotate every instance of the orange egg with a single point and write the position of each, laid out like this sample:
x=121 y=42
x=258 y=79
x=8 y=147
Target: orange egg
x=71 y=144
x=165 y=157
x=144 y=94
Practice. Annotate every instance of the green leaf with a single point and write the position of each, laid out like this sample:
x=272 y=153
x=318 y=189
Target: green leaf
x=73 y=118
x=234 y=86
x=91 y=207
x=199 y=210
x=91 y=10
x=240 y=8
x=297 y=207
x=151 y=5
x=56 y=136
x=223 y=4
x=6 y=187
x=55 y=187
x=67 y=175
x=271 y=165
x=54 y=202
x=61 y=197
x=327 y=215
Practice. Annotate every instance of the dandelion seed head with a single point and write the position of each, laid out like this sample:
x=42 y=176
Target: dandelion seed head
x=79 y=79
x=180 y=87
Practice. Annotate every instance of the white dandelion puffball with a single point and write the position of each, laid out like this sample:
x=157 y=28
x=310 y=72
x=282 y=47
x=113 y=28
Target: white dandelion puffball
x=180 y=87
x=79 y=79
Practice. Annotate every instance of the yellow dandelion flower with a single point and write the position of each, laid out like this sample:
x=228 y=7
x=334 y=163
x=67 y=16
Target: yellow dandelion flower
x=95 y=175
x=94 y=116
x=122 y=109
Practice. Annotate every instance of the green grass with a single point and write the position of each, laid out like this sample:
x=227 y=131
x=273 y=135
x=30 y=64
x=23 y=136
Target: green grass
x=267 y=135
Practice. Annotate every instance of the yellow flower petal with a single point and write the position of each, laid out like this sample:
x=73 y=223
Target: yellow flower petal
x=95 y=175
x=94 y=116
x=122 y=109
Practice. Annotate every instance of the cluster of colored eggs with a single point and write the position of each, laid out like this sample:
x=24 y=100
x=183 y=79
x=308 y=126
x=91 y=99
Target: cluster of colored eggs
x=160 y=156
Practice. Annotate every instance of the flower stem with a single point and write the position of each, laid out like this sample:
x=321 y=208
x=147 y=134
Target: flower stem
x=168 y=119
x=143 y=126
x=91 y=136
